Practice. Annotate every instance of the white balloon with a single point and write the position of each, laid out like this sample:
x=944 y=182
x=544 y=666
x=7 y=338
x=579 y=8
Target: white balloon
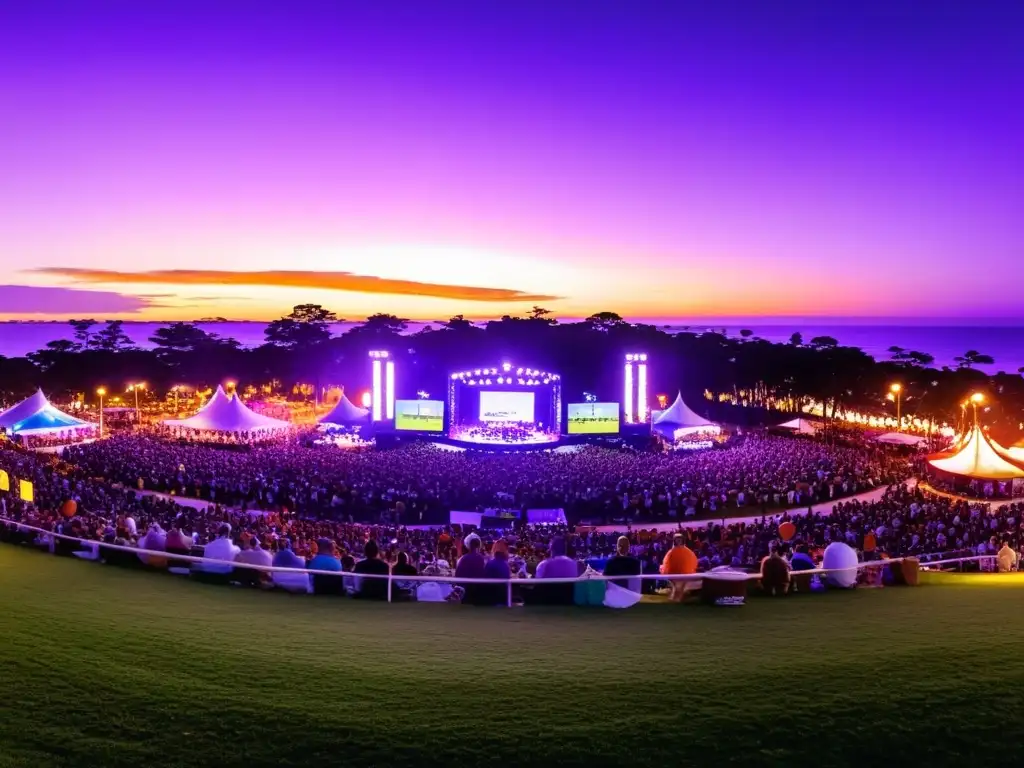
x=843 y=558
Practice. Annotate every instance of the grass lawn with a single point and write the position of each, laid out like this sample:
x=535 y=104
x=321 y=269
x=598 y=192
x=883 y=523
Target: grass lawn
x=112 y=668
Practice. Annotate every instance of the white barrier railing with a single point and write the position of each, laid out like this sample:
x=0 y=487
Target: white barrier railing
x=459 y=580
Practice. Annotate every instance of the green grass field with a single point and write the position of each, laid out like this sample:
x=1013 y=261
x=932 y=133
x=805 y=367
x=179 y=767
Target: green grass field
x=105 y=667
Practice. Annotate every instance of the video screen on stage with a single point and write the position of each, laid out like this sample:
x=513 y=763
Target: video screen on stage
x=419 y=415
x=593 y=418
x=506 y=406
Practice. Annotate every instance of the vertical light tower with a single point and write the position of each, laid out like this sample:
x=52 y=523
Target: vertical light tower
x=627 y=403
x=635 y=389
x=382 y=392
x=641 y=389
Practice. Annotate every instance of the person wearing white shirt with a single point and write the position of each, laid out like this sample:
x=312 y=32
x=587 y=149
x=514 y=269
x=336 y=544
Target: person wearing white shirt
x=221 y=548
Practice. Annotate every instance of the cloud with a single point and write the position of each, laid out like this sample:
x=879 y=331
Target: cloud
x=41 y=300
x=335 y=281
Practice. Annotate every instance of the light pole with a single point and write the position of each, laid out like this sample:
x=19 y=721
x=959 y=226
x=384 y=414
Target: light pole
x=897 y=395
x=977 y=399
x=135 y=388
x=101 y=392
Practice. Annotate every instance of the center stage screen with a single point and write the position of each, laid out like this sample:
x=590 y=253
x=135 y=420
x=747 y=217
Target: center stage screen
x=506 y=406
x=593 y=418
x=419 y=415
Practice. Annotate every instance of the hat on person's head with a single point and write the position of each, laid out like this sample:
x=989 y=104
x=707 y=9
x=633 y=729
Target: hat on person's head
x=622 y=544
x=678 y=538
x=472 y=541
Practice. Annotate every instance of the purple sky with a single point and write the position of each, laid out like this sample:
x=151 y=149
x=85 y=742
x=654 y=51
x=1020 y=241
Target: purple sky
x=669 y=159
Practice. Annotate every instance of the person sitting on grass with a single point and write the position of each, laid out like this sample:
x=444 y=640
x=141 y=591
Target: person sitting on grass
x=326 y=559
x=402 y=567
x=253 y=554
x=775 y=574
x=286 y=558
x=1006 y=558
x=221 y=548
x=556 y=566
x=496 y=568
x=679 y=561
x=624 y=564
x=472 y=566
x=372 y=589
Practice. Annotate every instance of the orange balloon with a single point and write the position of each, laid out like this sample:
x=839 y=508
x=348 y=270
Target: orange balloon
x=787 y=531
x=69 y=508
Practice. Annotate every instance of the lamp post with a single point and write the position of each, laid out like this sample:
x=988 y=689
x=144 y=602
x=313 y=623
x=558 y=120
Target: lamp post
x=135 y=388
x=977 y=399
x=897 y=392
x=101 y=392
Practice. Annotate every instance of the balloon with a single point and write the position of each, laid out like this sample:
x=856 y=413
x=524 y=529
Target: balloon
x=787 y=531
x=841 y=559
x=69 y=508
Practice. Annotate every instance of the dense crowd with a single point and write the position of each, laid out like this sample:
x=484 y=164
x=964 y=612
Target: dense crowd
x=903 y=521
x=421 y=483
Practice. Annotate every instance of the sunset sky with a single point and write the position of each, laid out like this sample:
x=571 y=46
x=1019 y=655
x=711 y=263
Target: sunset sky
x=166 y=160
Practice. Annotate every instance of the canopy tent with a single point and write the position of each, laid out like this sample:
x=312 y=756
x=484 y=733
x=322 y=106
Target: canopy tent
x=979 y=457
x=800 y=426
x=224 y=413
x=35 y=415
x=345 y=413
x=901 y=438
x=679 y=420
x=1016 y=452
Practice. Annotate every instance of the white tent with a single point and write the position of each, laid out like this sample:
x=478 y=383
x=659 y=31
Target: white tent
x=801 y=426
x=679 y=419
x=224 y=413
x=35 y=415
x=979 y=457
x=345 y=413
x=901 y=438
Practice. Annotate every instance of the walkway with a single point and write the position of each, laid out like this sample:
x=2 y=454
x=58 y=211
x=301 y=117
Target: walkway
x=823 y=507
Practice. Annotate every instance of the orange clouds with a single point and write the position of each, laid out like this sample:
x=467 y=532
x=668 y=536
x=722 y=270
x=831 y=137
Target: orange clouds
x=335 y=281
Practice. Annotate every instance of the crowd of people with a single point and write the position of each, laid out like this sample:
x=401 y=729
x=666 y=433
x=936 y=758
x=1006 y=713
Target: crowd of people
x=75 y=496
x=420 y=484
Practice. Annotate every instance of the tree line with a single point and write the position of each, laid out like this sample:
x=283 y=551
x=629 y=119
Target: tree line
x=744 y=375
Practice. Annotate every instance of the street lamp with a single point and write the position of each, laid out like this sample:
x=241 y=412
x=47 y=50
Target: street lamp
x=897 y=393
x=977 y=399
x=101 y=392
x=135 y=388
x=230 y=384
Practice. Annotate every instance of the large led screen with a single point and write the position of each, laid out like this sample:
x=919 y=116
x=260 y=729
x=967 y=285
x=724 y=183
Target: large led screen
x=419 y=415
x=506 y=406
x=593 y=418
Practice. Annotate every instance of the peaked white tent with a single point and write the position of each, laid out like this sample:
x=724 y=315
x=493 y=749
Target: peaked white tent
x=345 y=413
x=224 y=413
x=35 y=415
x=901 y=438
x=800 y=426
x=979 y=457
x=680 y=420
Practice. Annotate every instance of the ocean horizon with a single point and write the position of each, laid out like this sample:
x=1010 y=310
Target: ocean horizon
x=945 y=340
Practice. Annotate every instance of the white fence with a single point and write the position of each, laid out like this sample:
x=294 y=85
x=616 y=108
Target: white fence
x=95 y=546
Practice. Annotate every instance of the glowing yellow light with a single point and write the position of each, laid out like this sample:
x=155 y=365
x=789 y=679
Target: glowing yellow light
x=101 y=391
x=977 y=397
x=896 y=388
